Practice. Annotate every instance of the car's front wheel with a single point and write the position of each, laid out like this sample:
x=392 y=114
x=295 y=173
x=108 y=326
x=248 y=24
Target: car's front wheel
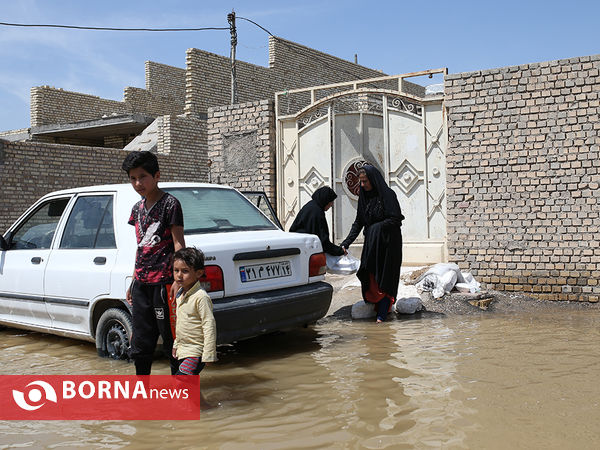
x=113 y=334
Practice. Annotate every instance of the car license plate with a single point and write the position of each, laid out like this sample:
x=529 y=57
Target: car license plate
x=265 y=271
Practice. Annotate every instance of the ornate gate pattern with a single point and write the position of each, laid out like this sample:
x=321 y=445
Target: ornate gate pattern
x=343 y=126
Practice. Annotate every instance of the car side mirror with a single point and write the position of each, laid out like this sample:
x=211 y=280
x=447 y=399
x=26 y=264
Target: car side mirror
x=3 y=244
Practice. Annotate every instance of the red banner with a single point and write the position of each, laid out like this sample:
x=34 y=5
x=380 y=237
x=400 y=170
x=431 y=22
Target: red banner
x=99 y=397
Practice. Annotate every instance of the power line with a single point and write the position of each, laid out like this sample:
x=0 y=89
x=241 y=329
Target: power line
x=259 y=26
x=76 y=27
x=352 y=74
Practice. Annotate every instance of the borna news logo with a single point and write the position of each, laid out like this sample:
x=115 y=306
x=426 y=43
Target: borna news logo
x=35 y=396
x=98 y=397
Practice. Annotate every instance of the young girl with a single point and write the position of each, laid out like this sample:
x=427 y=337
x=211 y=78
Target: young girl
x=195 y=329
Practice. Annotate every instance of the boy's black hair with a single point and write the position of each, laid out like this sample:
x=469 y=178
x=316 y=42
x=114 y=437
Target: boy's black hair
x=191 y=256
x=146 y=160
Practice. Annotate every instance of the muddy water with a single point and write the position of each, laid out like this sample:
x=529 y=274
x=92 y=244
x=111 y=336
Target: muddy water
x=528 y=381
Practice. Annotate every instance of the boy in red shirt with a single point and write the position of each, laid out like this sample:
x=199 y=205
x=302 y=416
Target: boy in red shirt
x=158 y=221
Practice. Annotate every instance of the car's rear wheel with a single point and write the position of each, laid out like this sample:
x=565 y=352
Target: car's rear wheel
x=113 y=334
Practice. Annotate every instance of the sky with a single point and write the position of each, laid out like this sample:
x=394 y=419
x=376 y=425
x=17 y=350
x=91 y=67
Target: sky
x=395 y=37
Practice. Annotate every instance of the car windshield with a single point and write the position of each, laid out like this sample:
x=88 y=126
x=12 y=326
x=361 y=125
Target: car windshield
x=215 y=210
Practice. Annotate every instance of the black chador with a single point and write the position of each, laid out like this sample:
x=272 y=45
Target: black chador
x=380 y=215
x=311 y=219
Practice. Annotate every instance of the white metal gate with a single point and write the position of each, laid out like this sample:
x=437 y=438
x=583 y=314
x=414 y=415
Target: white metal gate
x=326 y=133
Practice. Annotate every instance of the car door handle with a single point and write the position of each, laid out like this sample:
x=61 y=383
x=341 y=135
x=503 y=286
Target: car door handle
x=36 y=260
x=99 y=260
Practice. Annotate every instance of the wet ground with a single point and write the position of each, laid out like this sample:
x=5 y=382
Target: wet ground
x=482 y=380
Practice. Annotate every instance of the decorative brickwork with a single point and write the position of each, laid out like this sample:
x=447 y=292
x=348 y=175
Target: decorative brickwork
x=241 y=146
x=523 y=169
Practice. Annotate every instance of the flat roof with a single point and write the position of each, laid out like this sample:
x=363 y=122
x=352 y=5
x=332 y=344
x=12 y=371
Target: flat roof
x=122 y=124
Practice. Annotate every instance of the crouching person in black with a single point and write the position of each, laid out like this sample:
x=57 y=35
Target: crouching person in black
x=311 y=219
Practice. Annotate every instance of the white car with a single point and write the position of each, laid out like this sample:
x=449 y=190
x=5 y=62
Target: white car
x=66 y=263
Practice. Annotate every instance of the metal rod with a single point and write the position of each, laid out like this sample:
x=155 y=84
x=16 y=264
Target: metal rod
x=366 y=80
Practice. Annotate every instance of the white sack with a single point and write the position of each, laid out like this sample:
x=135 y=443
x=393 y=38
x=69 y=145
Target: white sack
x=440 y=279
x=343 y=265
x=470 y=284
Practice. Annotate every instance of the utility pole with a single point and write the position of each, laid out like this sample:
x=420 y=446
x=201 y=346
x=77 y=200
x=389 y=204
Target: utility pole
x=233 y=31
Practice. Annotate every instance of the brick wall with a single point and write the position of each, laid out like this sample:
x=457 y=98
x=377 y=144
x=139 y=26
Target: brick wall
x=165 y=81
x=291 y=65
x=164 y=94
x=52 y=106
x=298 y=66
x=141 y=101
x=523 y=168
x=241 y=146
x=29 y=170
x=12 y=133
x=184 y=139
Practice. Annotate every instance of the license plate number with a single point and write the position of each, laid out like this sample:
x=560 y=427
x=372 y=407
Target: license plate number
x=266 y=271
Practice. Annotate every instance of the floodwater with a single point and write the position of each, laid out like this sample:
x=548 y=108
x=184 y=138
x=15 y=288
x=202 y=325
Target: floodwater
x=520 y=381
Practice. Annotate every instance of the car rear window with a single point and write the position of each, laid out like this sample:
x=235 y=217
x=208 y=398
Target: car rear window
x=214 y=210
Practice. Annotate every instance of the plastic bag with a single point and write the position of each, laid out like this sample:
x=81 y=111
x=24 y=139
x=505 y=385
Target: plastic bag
x=470 y=285
x=342 y=265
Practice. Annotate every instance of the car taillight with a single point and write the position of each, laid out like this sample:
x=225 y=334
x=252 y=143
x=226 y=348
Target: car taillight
x=212 y=280
x=317 y=265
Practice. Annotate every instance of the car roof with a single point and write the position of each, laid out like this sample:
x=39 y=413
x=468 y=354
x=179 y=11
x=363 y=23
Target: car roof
x=127 y=187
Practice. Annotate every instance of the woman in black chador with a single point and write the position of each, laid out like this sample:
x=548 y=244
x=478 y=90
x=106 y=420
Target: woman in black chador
x=311 y=219
x=380 y=215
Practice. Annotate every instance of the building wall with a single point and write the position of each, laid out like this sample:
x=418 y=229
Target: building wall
x=29 y=170
x=291 y=65
x=297 y=66
x=53 y=106
x=204 y=83
x=523 y=168
x=165 y=81
x=11 y=133
x=184 y=140
x=141 y=101
x=164 y=94
x=241 y=146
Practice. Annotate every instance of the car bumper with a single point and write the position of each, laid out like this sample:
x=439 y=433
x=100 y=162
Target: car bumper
x=246 y=316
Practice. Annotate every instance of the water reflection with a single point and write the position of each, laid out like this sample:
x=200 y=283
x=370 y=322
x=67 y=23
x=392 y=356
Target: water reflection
x=342 y=356
x=432 y=382
x=483 y=382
